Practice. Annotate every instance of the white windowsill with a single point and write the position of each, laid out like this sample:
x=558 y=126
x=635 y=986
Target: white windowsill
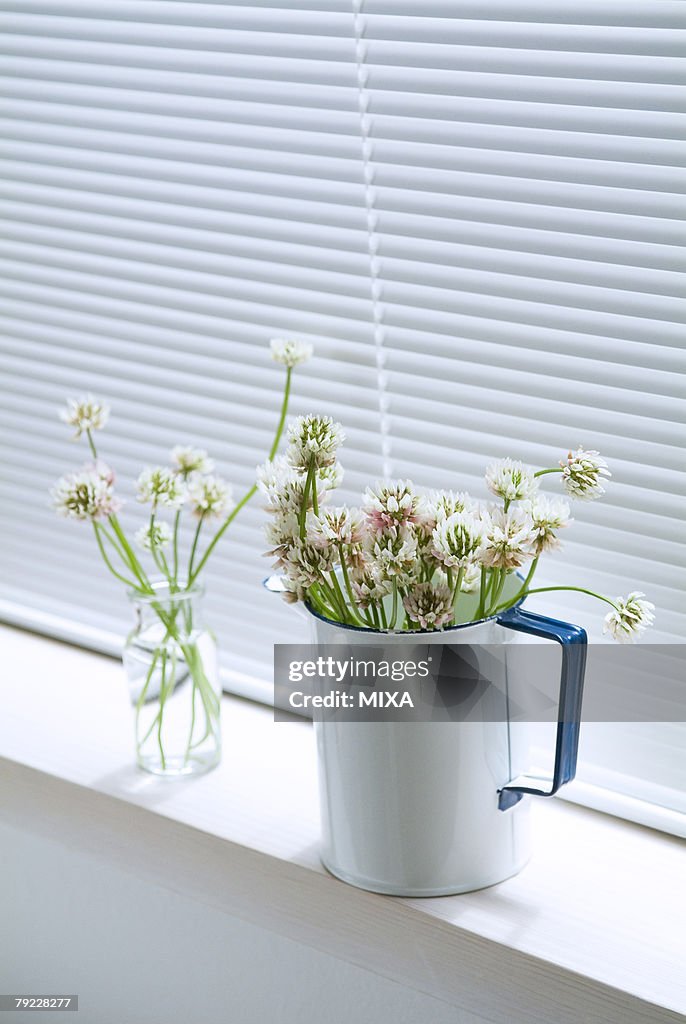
x=592 y=929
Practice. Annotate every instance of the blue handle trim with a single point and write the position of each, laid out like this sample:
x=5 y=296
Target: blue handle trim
x=573 y=641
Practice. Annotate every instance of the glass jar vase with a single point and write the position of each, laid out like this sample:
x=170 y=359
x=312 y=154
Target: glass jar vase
x=170 y=659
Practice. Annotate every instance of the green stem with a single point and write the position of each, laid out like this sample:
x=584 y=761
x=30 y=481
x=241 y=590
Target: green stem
x=91 y=444
x=146 y=684
x=348 y=586
x=337 y=612
x=313 y=487
x=497 y=589
x=221 y=531
x=542 y=472
x=284 y=412
x=164 y=565
x=394 y=610
x=133 y=562
x=194 y=547
x=318 y=602
x=163 y=698
x=253 y=490
x=458 y=584
x=579 y=590
x=340 y=599
x=129 y=583
x=190 y=732
x=177 y=520
x=482 y=592
x=115 y=544
x=157 y=556
x=302 y=518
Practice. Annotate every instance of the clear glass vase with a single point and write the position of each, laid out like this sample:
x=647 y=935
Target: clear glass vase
x=170 y=659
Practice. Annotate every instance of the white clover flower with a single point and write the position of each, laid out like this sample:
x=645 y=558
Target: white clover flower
x=457 y=540
x=282 y=532
x=292 y=591
x=313 y=442
x=583 y=474
x=471 y=579
x=394 y=505
x=429 y=605
x=632 y=616
x=86 y=494
x=446 y=503
x=101 y=470
x=509 y=538
x=548 y=515
x=330 y=477
x=209 y=496
x=290 y=352
x=367 y=587
x=305 y=564
x=511 y=481
x=187 y=460
x=395 y=554
x=284 y=487
x=87 y=413
x=282 y=529
x=158 y=537
x=160 y=486
x=336 y=526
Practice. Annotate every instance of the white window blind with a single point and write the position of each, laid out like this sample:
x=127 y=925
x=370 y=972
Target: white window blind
x=525 y=162
x=180 y=183
x=473 y=210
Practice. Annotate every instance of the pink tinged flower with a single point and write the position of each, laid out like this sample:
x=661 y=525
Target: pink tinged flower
x=632 y=617
x=583 y=474
x=548 y=515
x=101 y=470
x=457 y=540
x=208 y=496
x=509 y=539
x=511 y=481
x=429 y=605
x=390 y=505
x=86 y=413
x=85 y=495
x=290 y=352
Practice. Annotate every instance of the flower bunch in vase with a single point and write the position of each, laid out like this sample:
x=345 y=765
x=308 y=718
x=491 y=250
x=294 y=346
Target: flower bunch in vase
x=406 y=560
x=170 y=656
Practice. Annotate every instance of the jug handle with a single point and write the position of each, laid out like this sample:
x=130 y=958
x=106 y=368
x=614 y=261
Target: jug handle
x=573 y=642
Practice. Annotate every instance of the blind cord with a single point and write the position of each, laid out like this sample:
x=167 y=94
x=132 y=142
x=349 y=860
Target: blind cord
x=379 y=330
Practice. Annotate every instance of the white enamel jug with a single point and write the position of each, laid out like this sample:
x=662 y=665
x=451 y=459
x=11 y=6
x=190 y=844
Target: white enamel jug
x=413 y=808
